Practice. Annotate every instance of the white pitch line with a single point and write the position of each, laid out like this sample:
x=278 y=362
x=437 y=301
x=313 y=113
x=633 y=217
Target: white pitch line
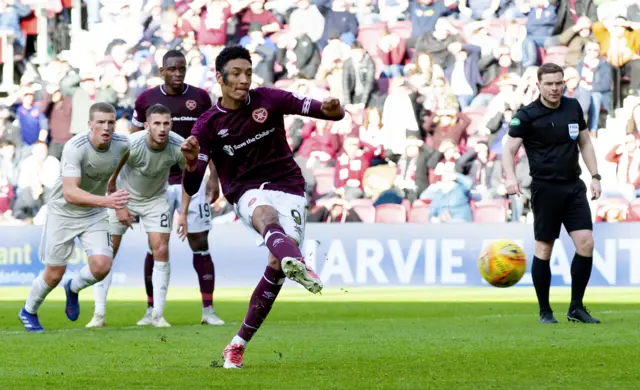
x=487 y=316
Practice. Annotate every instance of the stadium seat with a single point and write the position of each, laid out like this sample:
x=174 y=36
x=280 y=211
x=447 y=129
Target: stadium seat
x=366 y=213
x=634 y=207
x=391 y=213
x=402 y=28
x=490 y=210
x=361 y=202
x=419 y=214
x=556 y=54
x=324 y=180
x=370 y=35
x=407 y=204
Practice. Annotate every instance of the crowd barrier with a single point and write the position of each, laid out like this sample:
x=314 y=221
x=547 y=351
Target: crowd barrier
x=348 y=255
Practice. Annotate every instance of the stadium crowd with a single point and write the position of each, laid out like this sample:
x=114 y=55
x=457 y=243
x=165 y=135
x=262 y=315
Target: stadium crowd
x=429 y=87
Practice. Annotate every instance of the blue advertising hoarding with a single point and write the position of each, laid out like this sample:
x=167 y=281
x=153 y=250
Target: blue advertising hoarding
x=348 y=255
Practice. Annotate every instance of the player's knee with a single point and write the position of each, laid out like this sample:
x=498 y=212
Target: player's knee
x=100 y=266
x=543 y=249
x=53 y=275
x=584 y=245
x=264 y=216
x=161 y=251
x=199 y=242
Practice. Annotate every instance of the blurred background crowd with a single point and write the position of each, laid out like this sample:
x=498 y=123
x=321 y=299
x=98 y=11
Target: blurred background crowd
x=429 y=87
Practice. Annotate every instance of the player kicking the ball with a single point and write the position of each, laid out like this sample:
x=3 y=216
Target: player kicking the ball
x=77 y=209
x=244 y=136
x=145 y=170
x=186 y=103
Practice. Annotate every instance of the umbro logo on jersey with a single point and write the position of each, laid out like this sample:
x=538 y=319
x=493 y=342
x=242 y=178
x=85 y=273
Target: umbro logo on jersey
x=223 y=133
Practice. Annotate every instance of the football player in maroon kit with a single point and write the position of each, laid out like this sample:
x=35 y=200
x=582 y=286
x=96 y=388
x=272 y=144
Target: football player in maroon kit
x=186 y=104
x=244 y=135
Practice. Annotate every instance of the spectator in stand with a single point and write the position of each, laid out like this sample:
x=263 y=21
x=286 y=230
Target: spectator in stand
x=478 y=9
x=570 y=13
x=358 y=77
x=38 y=174
x=298 y=56
x=411 y=170
x=484 y=169
x=438 y=96
x=633 y=123
x=9 y=163
x=34 y=125
x=255 y=12
x=350 y=167
x=541 y=20
x=437 y=43
x=463 y=74
x=574 y=89
x=444 y=124
x=306 y=19
x=8 y=131
x=340 y=20
x=449 y=197
x=626 y=157
x=7 y=196
x=58 y=110
x=480 y=34
x=255 y=37
x=391 y=50
x=334 y=210
x=392 y=10
x=320 y=144
x=398 y=119
x=424 y=15
x=575 y=38
x=495 y=69
x=371 y=133
x=595 y=77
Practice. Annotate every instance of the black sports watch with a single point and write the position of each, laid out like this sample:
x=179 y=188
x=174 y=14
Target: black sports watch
x=597 y=176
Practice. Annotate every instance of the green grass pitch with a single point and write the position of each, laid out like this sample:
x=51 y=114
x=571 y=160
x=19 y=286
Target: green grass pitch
x=418 y=338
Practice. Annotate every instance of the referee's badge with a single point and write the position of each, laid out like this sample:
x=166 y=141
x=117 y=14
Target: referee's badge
x=574 y=130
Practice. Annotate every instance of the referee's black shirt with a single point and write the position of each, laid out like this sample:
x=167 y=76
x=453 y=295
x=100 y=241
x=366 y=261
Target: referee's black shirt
x=550 y=138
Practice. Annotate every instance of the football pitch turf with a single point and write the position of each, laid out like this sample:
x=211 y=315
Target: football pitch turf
x=357 y=338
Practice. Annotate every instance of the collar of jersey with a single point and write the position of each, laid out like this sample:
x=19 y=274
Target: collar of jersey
x=186 y=88
x=225 y=111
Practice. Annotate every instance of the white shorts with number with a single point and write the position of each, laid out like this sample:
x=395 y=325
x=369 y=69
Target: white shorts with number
x=199 y=213
x=153 y=212
x=57 y=242
x=291 y=211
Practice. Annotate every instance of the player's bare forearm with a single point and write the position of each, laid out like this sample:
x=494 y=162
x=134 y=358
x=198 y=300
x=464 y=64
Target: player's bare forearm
x=192 y=176
x=329 y=109
x=508 y=157
x=186 y=200
x=588 y=152
x=75 y=195
x=135 y=129
x=115 y=174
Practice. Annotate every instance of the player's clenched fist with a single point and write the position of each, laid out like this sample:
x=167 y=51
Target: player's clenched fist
x=513 y=187
x=118 y=199
x=331 y=107
x=190 y=149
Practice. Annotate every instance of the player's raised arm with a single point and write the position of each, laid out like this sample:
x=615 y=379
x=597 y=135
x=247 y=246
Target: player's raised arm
x=111 y=185
x=196 y=165
x=328 y=109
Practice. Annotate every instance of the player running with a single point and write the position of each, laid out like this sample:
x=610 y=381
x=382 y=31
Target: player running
x=145 y=170
x=77 y=209
x=186 y=103
x=244 y=136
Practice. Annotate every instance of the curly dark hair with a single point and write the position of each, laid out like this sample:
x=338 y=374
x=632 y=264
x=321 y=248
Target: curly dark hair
x=231 y=53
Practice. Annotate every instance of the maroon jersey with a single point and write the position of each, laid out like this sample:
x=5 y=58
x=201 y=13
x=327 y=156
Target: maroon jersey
x=185 y=110
x=249 y=146
x=350 y=170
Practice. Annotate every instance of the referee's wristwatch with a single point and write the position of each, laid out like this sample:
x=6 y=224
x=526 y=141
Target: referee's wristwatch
x=597 y=177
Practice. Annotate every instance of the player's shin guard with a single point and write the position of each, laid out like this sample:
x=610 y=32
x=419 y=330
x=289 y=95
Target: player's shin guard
x=580 y=274
x=101 y=290
x=541 y=274
x=148 y=283
x=39 y=291
x=260 y=304
x=83 y=280
x=161 y=275
x=203 y=265
x=279 y=243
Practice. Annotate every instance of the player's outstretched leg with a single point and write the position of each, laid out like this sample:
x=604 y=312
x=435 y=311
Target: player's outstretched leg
x=204 y=267
x=98 y=268
x=284 y=248
x=580 y=274
x=160 y=276
x=541 y=275
x=148 y=285
x=260 y=305
x=42 y=285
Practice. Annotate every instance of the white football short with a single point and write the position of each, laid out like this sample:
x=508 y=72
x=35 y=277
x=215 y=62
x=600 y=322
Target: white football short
x=57 y=243
x=291 y=211
x=153 y=212
x=199 y=213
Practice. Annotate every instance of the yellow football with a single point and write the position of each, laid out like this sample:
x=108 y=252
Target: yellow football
x=502 y=263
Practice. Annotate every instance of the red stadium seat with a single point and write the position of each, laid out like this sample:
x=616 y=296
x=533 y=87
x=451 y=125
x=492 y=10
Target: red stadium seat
x=366 y=213
x=324 y=180
x=418 y=203
x=556 y=54
x=391 y=213
x=361 y=202
x=370 y=35
x=634 y=214
x=402 y=28
x=407 y=204
x=419 y=214
x=490 y=210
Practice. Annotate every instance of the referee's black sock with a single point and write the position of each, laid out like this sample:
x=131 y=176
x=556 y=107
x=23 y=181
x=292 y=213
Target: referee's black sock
x=541 y=274
x=580 y=274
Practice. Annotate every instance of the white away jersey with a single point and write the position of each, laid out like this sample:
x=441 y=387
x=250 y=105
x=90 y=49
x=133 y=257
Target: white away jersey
x=93 y=167
x=146 y=172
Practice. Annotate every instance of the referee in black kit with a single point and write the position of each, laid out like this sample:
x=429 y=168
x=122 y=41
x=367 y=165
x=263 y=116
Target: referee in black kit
x=553 y=131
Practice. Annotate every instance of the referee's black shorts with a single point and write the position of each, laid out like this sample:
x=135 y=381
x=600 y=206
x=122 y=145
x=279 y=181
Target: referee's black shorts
x=557 y=203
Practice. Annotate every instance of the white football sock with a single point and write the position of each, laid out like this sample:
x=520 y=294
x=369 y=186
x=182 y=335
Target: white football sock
x=239 y=340
x=83 y=280
x=39 y=291
x=160 y=279
x=101 y=289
